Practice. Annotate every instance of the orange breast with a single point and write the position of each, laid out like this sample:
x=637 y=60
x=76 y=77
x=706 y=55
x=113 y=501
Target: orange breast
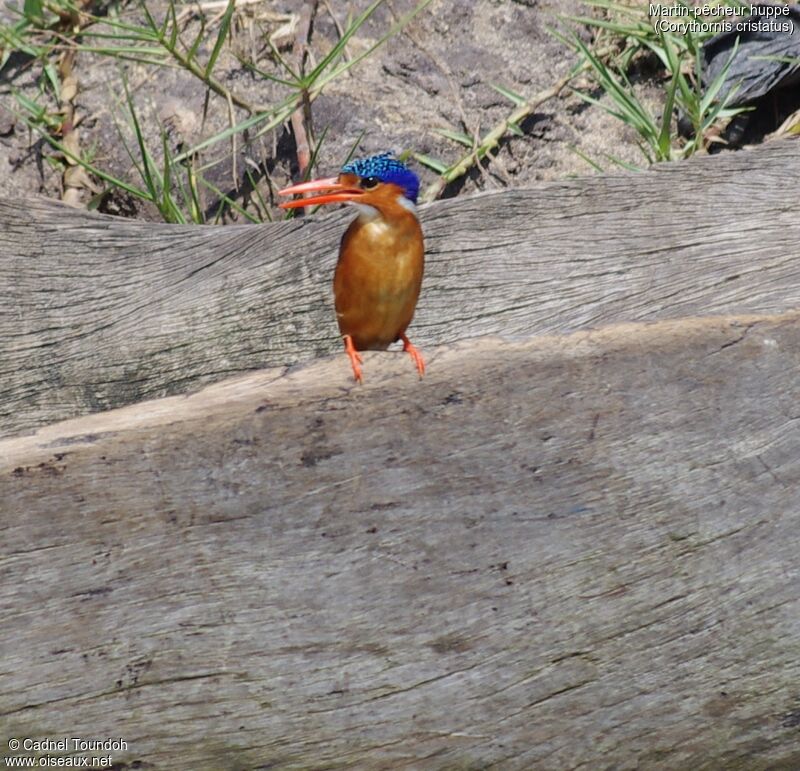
x=378 y=278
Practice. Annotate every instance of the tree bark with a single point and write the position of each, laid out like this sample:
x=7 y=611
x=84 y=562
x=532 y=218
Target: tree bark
x=573 y=551
x=100 y=312
x=572 y=547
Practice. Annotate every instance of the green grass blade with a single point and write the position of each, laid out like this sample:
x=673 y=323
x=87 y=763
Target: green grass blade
x=597 y=103
x=192 y=52
x=596 y=166
x=312 y=161
x=173 y=34
x=224 y=199
x=140 y=36
x=714 y=88
x=91 y=168
x=135 y=162
x=456 y=136
x=147 y=165
x=254 y=187
x=168 y=208
x=354 y=147
x=296 y=79
x=664 y=140
x=621 y=94
x=622 y=164
x=266 y=75
x=274 y=116
x=151 y=22
x=36 y=112
x=320 y=83
x=162 y=32
x=308 y=80
x=33 y=10
x=50 y=72
x=512 y=96
x=431 y=163
x=221 y=35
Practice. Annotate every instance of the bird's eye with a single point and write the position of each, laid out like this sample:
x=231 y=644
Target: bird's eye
x=369 y=182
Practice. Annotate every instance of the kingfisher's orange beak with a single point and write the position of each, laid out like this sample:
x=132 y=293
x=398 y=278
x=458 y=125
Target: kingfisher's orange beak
x=330 y=190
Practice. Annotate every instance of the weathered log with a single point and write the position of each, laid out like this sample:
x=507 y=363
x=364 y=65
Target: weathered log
x=99 y=312
x=573 y=551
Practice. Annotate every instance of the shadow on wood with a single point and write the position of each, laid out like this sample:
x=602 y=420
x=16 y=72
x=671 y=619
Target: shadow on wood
x=101 y=312
x=571 y=551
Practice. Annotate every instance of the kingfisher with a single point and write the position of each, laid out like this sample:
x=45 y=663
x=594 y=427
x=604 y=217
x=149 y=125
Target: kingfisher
x=382 y=255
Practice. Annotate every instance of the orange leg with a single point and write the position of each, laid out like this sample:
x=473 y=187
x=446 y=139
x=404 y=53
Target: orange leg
x=355 y=356
x=414 y=354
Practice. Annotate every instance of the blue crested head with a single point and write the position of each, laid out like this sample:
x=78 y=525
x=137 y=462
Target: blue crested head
x=386 y=169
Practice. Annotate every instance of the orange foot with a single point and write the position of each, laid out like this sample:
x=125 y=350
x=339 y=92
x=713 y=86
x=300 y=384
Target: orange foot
x=355 y=356
x=414 y=354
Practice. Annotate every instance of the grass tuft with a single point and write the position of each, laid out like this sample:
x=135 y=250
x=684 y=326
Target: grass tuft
x=633 y=36
x=42 y=31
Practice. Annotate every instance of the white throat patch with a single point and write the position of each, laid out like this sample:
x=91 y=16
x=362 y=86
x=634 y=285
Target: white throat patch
x=406 y=204
x=365 y=211
x=370 y=213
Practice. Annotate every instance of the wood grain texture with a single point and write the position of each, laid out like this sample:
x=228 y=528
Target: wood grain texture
x=574 y=551
x=100 y=312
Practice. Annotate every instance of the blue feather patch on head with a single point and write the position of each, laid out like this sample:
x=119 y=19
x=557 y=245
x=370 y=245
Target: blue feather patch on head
x=386 y=169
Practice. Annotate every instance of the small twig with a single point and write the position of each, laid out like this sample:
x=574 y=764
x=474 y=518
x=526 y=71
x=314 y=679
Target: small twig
x=301 y=116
